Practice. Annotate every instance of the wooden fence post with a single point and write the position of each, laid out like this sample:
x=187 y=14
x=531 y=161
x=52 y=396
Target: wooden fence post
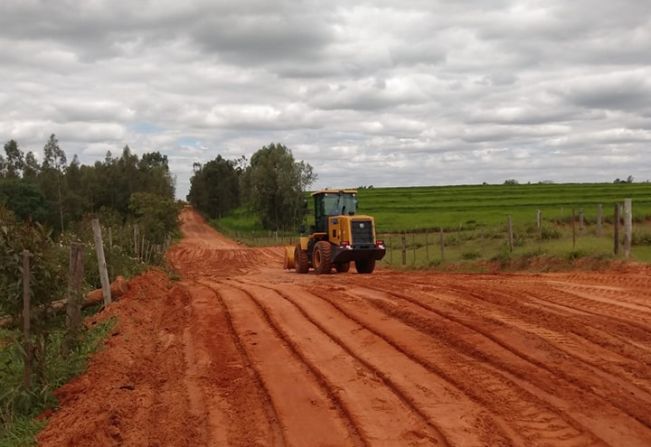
x=616 y=230
x=101 y=262
x=27 y=372
x=539 y=220
x=442 y=243
x=73 y=305
x=143 y=241
x=413 y=243
x=404 y=249
x=136 y=232
x=600 y=219
x=510 y=232
x=573 y=228
x=427 y=246
x=581 y=220
x=628 y=227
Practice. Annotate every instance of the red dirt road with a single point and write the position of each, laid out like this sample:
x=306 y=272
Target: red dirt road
x=241 y=353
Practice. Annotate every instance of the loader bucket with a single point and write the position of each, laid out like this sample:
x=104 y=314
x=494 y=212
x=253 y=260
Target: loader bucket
x=288 y=262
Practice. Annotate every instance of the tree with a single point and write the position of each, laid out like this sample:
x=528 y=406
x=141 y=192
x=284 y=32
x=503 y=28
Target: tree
x=15 y=160
x=156 y=214
x=54 y=162
x=275 y=185
x=24 y=199
x=215 y=187
x=31 y=168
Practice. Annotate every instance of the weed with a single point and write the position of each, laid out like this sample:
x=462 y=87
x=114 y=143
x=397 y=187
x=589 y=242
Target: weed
x=470 y=255
x=19 y=406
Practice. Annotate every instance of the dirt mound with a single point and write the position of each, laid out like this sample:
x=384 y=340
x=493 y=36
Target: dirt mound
x=242 y=353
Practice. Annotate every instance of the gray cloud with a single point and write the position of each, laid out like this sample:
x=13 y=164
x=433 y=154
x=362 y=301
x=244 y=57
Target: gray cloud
x=371 y=92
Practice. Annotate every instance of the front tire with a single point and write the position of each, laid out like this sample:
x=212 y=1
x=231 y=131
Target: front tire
x=365 y=266
x=300 y=260
x=321 y=257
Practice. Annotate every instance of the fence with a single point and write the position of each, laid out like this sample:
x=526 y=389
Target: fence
x=572 y=233
x=577 y=236
x=137 y=249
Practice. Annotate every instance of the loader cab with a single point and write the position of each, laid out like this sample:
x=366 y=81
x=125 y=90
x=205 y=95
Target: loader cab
x=332 y=203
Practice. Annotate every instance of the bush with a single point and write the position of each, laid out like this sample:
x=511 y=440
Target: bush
x=19 y=406
x=503 y=257
x=470 y=255
x=549 y=233
x=576 y=254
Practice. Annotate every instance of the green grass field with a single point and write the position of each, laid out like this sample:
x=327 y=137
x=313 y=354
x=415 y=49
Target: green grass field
x=452 y=207
x=474 y=220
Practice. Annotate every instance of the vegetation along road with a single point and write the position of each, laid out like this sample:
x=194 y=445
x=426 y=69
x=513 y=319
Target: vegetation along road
x=240 y=353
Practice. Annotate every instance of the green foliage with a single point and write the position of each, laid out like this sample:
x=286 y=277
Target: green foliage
x=19 y=406
x=15 y=162
x=431 y=207
x=548 y=233
x=274 y=185
x=123 y=192
x=156 y=214
x=24 y=198
x=46 y=266
x=215 y=187
x=470 y=255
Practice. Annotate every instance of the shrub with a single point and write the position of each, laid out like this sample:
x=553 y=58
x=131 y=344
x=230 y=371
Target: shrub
x=549 y=233
x=470 y=255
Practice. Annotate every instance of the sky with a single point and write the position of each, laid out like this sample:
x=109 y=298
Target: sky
x=383 y=93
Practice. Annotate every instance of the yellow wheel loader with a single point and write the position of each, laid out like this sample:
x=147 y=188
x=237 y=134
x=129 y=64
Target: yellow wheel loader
x=338 y=237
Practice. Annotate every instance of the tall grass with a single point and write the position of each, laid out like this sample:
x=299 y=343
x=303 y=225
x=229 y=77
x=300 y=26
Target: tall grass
x=19 y=406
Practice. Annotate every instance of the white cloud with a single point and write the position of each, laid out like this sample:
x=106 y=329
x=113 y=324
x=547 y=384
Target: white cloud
x=373 y=92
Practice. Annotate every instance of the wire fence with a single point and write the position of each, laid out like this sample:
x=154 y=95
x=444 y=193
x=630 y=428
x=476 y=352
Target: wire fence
x=599 y=231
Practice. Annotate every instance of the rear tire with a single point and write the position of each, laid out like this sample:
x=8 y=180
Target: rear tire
x=300 y=260
x=342 y=267
x=365 y=266
x=321 y=257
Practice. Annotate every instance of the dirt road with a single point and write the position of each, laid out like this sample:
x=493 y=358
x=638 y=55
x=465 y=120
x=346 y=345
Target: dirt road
x=241 y=353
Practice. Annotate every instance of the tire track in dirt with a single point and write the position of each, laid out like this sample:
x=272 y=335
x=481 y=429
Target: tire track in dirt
x=480 y=385
x=560 y=348
x=568 y=377
x=600 y=331
x=572 y=371
x=384 y=377
x=251 y=404
x=356 y=388
x=456 y=418
x=528 y=415
x=313 y=406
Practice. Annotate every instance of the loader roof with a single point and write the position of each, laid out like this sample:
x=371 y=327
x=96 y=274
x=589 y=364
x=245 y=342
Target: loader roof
x=334 y=191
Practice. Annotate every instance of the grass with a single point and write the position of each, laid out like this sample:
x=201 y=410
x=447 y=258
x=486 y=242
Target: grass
x=19 y=408
x=474 y=220
x=470 y=246
x=459 y=207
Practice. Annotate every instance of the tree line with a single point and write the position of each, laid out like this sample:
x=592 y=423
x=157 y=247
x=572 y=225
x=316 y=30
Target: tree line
x=58 y=193
x=272 y=184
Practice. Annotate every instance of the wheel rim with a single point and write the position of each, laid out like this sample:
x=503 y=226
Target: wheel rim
x=317 y=258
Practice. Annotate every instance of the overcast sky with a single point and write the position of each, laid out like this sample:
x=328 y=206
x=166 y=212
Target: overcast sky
x=403 y=92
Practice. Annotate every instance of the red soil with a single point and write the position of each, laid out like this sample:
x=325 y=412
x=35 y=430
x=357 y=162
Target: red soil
x=242 y=353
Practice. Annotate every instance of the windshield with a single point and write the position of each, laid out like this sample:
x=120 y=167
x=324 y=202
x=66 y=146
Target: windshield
x=336 y=204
